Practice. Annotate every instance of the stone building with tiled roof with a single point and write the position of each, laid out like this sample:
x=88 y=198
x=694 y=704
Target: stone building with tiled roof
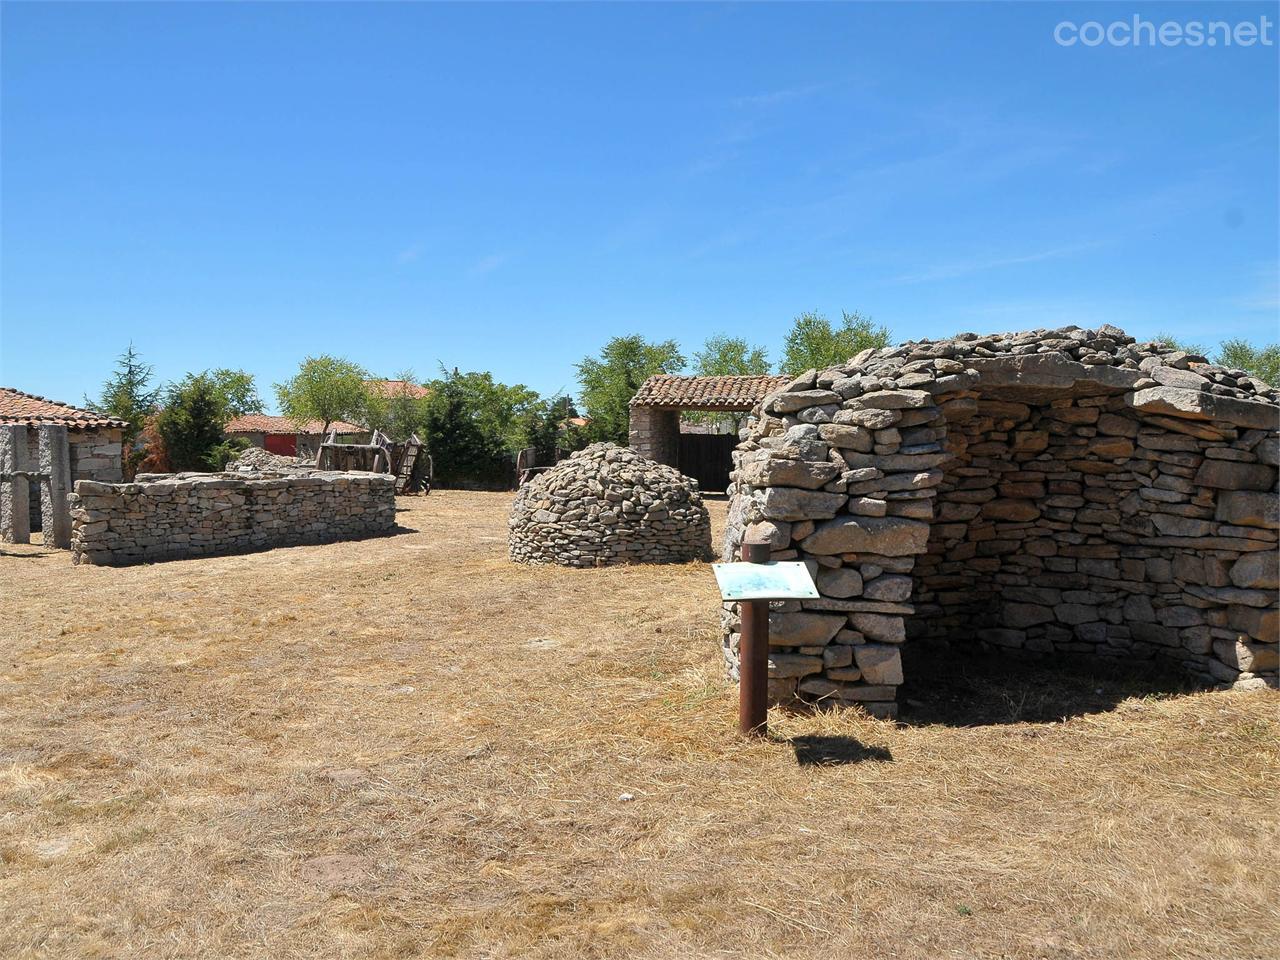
x=33 y=411
x=93 y=439
x=656 y=430
x=282 y=436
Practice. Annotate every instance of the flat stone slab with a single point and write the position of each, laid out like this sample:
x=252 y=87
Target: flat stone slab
x=1200 y=405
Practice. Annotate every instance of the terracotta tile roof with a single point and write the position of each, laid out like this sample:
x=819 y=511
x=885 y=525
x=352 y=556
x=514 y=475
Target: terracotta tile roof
x=262 y=423
x=706 y=393
x=27 y=408
x=393 y=388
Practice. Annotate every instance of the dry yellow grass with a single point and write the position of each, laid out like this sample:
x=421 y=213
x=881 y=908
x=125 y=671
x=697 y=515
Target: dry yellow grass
x=408 y=747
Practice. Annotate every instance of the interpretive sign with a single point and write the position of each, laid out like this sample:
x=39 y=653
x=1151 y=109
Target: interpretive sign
x=775 y=580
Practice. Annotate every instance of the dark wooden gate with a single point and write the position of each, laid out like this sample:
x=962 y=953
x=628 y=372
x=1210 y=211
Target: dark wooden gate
x=707 y=457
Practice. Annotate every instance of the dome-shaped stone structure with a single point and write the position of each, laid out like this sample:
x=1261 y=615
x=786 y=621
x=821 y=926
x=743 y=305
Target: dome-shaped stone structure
x=607 y=505
x=1046 y=492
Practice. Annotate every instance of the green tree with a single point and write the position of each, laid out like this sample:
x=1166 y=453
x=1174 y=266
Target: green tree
x=325 y=388
x=498 y=409
x=1236 y=354
x=814 y=343
x=463 y=450
x=191 y=423
x=127 y=394
x=612 y=379
x=540 y=428
x=239 y=390
x=723 y=356
x=1261 y=362
x=399 y=411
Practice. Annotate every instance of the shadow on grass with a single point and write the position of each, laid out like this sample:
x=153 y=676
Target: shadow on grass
x=819 y=751
x=970 y=688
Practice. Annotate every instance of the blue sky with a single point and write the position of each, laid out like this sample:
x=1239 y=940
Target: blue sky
x=503 y=188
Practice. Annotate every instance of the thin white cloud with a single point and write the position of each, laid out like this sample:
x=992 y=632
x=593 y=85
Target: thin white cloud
x=962 y=268
x=486 y=265
x=774 y=97
x=409 y=254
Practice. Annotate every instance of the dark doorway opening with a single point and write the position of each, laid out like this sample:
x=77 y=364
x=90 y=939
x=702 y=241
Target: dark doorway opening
x=707 y=457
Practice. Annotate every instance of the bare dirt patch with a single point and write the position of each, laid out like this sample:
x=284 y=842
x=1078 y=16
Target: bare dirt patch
x=410 y=747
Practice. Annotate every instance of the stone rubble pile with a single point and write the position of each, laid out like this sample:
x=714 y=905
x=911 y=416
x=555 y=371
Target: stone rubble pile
x=607 y=505
x=256 y=459
x=168 y=517
x=1055 y=490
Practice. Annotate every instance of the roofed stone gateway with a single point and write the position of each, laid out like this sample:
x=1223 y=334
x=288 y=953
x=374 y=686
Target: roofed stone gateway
x=1055 y=490
x=655 y=433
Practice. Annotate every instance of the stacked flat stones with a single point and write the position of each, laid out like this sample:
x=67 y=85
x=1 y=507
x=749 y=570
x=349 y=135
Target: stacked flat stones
x=607 y=505
x=256 y=459
x=168 y=517
x=1052 y=490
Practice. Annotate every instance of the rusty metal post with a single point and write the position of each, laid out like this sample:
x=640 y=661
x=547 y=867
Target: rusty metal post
x=753 y=654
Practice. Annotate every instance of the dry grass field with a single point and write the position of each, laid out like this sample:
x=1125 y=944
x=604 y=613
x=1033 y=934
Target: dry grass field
x=409 y=747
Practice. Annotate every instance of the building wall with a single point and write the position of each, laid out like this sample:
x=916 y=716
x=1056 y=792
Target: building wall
x=655 y=433
x=96 y=455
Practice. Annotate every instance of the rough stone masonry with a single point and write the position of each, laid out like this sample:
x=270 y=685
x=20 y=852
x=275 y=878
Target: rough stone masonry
x=1052 y=490
x=607 y=505
x=168 y=517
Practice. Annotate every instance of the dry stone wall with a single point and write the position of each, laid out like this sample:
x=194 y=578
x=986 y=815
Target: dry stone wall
x=608 y=505
x=1065 y=490
x=192 y=515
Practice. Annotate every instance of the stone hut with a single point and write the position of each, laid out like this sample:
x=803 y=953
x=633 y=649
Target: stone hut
x=608 y=505
x=45 y=447
x=93 y=439
x=1048 y=491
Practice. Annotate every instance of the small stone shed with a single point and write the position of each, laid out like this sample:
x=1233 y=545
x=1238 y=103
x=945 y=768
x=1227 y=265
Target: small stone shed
x=283 y=437
x=1042 y=492
x=608 y=505
x=93 y=439
x=61 y=444
x=655 y=421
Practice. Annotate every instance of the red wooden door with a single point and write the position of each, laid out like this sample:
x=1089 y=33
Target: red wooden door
x=282 y=444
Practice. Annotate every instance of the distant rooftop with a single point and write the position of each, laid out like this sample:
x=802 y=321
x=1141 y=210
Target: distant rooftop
x=262 y=423
x=395 y=388
x=34 y=411
x=706 y=393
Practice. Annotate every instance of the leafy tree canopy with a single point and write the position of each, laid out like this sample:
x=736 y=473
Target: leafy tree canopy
x=325 y=388
x=724 y=356
x=612 y=379
x=815 y=343
x=195 y=413
x=461 y=438
x=238 y=389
